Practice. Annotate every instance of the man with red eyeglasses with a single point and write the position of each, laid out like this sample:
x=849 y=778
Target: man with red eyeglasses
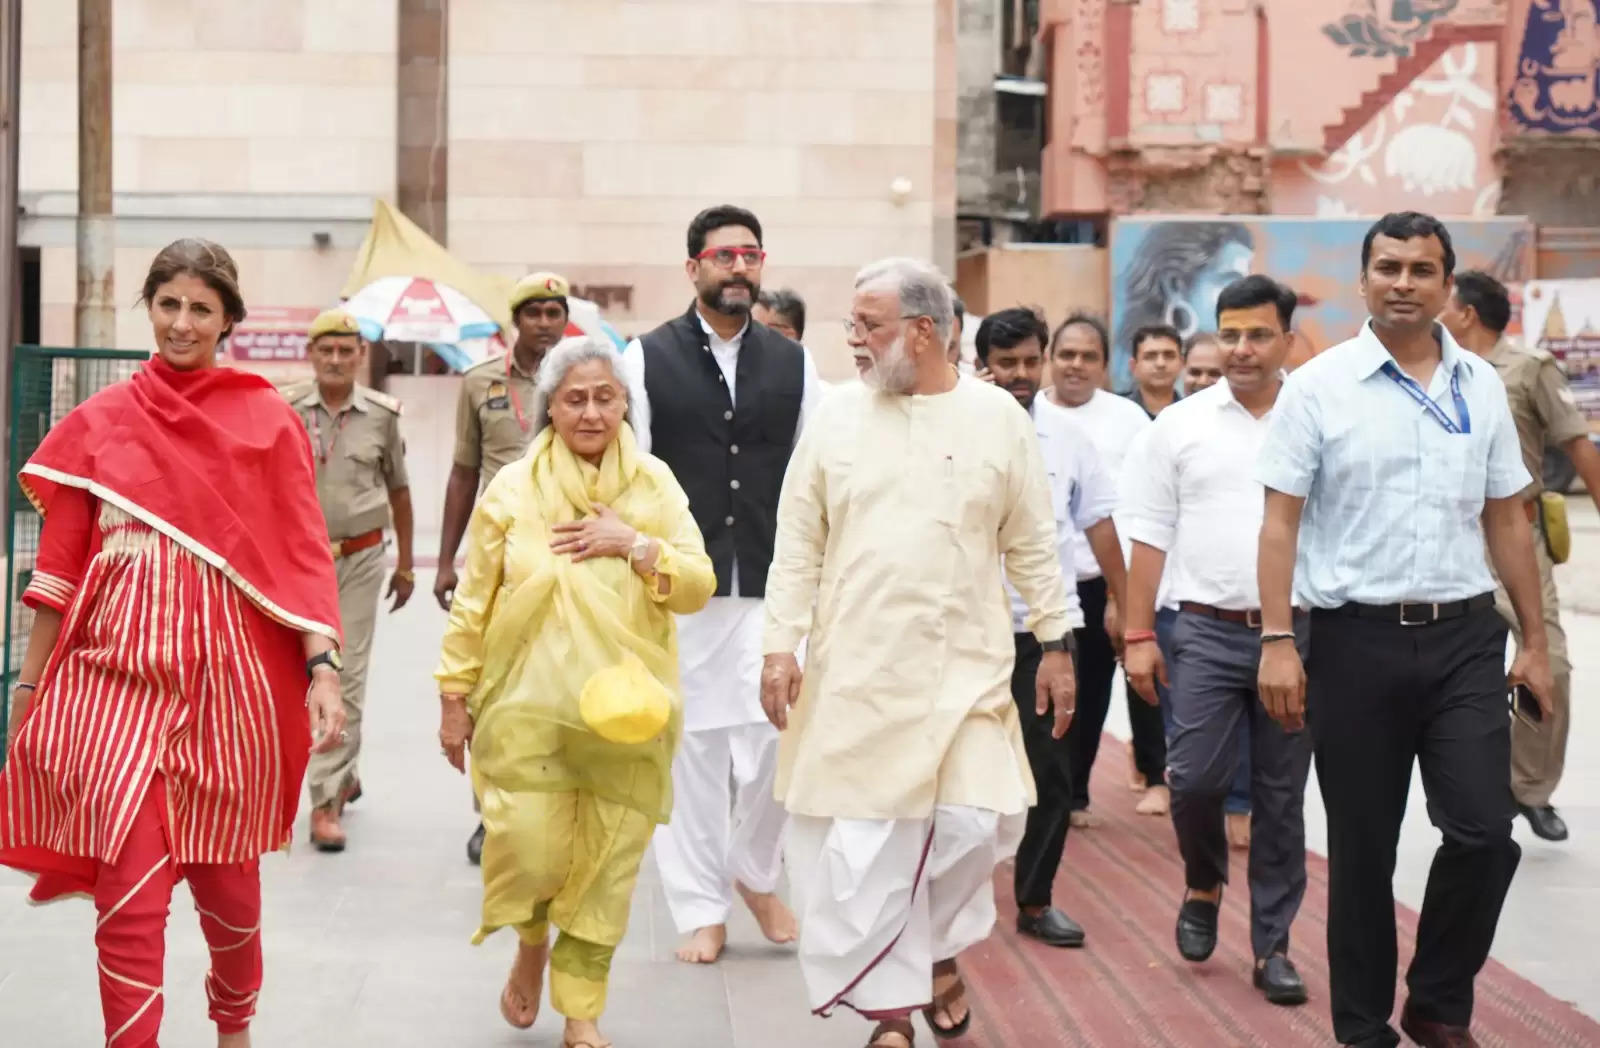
x=721 y=399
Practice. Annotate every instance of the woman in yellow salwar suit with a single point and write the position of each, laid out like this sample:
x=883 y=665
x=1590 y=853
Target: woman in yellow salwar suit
x=560 y=670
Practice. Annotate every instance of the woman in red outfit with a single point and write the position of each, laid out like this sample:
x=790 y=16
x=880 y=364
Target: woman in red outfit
x=184 y=591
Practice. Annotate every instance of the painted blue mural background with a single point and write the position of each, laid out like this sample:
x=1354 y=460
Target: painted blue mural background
x=1557 y=83
x=1171 y=269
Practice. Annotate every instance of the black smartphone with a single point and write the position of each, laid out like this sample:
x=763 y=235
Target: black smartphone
x=1525 y=707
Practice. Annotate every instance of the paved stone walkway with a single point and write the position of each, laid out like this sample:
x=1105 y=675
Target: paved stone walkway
x=370 y=948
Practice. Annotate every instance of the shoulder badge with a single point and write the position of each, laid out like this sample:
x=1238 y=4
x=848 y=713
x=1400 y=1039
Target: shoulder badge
x=296 y=391
x=383 y=400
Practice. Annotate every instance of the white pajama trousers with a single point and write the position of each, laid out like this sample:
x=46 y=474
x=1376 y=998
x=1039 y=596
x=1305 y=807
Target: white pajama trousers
x=880 y=900
x=726 y=824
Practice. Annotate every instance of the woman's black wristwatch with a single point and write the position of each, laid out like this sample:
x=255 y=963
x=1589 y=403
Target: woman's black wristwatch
x=330 y=658
x=1068 y=643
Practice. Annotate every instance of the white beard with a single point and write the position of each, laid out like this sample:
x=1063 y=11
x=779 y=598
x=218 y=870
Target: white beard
x=894 y=372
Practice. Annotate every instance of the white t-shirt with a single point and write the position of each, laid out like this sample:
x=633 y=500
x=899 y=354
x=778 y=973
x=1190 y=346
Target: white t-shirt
x=1111 y=422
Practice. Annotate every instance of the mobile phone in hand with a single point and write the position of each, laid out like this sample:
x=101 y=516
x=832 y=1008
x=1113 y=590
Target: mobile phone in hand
x=1525 y=707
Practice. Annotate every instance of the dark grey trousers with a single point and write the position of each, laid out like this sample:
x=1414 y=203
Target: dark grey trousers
x=1213 y=691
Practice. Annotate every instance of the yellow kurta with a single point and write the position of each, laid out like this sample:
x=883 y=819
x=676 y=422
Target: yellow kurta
x=895 y=514
x=529 y=628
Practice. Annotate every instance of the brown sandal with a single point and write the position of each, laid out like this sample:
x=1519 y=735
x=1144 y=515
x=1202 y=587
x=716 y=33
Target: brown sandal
x=954 y=993
x=893 y=1028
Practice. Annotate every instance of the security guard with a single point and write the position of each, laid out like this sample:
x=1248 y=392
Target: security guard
x=361 y=480
x=1546 y=414
x=493 y=426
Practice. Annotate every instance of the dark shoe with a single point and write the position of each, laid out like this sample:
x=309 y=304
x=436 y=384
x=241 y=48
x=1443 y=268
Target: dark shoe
x=1278 y=980
x=1051 y=927
x=1545 y=822
x=475 y=846
x=352 y=792
x=1435 y=1035
x=1197 y=928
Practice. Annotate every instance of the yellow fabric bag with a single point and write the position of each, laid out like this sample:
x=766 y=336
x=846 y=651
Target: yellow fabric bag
x=1557 y=532
x=625 y=704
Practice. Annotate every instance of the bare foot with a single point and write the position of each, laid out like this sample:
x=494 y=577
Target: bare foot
x=583 y=1033
x=1084 y=819
x=1239 y=830
x=234 y=1040
x=519 y=1001
x=776 y=920
x=1136 y=780
x=1156 y=801
x=705 y=945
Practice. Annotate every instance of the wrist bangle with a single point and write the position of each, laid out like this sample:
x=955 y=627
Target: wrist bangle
x=1268 y=638
x=407 y=574
x=1138 y=636
x=21 y=686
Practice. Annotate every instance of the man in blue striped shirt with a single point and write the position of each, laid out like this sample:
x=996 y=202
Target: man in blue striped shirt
x=1391 y=461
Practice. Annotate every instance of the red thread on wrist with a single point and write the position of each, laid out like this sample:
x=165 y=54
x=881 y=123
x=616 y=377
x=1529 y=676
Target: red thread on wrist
x=1138 y=636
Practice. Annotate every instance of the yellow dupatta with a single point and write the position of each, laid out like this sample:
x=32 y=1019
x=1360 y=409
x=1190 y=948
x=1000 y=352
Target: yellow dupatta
x=567 y=626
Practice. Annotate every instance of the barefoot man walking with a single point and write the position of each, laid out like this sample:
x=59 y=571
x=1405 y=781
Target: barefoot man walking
x=902 y=764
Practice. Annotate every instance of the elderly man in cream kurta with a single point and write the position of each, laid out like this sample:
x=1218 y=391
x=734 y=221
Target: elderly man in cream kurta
x=901 y=762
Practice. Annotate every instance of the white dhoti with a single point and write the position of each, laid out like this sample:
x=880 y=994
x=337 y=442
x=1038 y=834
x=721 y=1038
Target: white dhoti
x=880 y=900
x=726 y=824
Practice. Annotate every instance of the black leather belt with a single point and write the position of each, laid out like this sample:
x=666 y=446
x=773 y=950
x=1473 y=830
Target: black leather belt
x=1417 y=613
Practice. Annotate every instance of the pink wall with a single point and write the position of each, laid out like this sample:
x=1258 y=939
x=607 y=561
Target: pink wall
x=1193 y=73
x=1431 y=146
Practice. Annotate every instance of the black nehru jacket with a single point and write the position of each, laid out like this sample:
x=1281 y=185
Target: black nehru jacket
x=729 y=457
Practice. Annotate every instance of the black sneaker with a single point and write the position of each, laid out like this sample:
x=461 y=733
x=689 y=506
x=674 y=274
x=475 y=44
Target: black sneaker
x=475 y=846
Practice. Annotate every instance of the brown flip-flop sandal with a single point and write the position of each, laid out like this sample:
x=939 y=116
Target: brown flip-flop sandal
x=954 y=993
x=895 y=1027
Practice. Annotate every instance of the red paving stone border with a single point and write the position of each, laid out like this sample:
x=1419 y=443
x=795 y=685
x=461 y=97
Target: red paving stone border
x=1128 y=987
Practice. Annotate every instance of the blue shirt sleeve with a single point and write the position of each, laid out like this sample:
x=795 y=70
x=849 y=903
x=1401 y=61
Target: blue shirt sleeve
x=1506 y=473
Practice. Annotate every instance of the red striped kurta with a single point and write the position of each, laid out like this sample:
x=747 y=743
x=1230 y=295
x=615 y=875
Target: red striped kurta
x=159 y=669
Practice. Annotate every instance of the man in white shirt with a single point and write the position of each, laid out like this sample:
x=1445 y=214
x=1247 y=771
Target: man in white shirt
x=1079 y=357
x=1010 y=347
x=722 y=398
x=1391 y=460
x=1193 y=507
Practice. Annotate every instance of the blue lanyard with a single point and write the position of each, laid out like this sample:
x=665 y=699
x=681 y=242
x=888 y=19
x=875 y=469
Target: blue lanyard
x=1420 y=395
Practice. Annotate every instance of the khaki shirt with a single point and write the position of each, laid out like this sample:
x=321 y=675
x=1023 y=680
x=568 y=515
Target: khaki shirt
x=359 y=457
x=489 y=432
x=1542 y=405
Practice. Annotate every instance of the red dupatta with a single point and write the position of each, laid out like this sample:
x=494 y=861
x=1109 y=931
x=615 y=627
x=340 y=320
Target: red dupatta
x=216 y=460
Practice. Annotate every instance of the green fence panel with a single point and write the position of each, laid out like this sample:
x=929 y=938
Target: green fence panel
x=46 y=383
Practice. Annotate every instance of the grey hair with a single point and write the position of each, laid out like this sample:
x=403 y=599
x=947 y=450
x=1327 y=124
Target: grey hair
x=923 y=290
x=559 y=362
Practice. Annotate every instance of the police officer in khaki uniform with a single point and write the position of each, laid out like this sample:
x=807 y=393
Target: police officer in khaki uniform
x=1547 y=415
x=492 y=424
x=362 y=485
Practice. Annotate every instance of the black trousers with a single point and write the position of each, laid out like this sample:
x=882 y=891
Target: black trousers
x=1149 y=737
x=1044 y=836
x=1380 y=695
x=1097 y=668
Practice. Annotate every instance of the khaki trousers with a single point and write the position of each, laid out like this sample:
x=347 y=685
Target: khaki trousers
x=1538 y=755
x=360 y=585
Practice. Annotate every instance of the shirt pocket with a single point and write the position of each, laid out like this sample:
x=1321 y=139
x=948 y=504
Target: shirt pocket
x=1454 y=466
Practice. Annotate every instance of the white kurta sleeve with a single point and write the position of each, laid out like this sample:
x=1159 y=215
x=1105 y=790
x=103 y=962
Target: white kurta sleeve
x=811 y=394
x=1028 y=539
x=802 y=535
x=1149 y=509
x=633 y=375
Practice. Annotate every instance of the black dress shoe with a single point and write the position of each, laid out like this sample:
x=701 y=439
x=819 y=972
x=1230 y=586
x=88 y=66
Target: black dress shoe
x=475 y=846
x=1051 y=927
x=1197 y=928
x=1545 y=822
x=1435 y=1035
x=1278 y=980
